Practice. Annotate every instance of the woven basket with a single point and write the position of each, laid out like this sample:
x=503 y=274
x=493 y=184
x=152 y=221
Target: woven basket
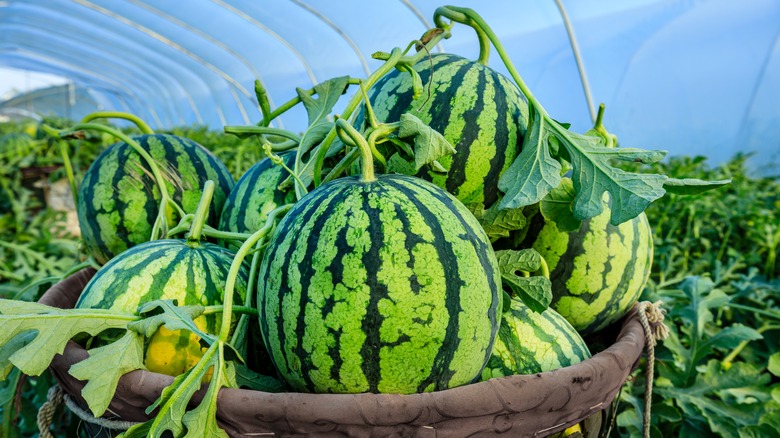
x=515 y=406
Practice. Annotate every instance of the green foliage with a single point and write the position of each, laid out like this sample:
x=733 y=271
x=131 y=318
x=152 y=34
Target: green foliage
x=717 y=274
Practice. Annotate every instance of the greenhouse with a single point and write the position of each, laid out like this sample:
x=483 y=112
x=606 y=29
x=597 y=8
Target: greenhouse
x=393 y=218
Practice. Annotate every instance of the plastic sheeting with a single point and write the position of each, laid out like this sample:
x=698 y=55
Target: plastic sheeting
x=690 y=77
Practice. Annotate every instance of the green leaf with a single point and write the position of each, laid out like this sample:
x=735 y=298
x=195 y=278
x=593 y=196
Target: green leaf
x=593 y=175
x=429 y=145
x=702 y=296
x=692 y=186
x=11 y=347
x=513 y=261
x=701 y=399
x=166 y=313
x=104 y=366
x=54 y=327
x=534 y=173
x=774 y=364
x=557 y=207
x=328 y=94
x=498 y=223
x=202 y=421
x=534 y=291
x=246 y=378
x=174 y=399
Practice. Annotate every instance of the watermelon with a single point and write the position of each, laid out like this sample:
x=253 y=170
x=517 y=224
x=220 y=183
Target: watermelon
x=529 y=342
x=256 y=194
x=388 y=286
x=598 y=271
x=479 y=111
x=167 y=269
x=119 y=199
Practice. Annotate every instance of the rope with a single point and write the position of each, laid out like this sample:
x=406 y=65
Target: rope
x=47 y=410
x=102 y=422
x=651 y=316
x=54 y=400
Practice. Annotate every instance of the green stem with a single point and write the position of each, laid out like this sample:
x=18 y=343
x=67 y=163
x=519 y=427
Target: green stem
x=33 y=254
x=160 y=228
x=238 y=334
x=468 y=17
x=244 y=310
x=751 y=309
x=365 y=150
x=224 y=235
x=235 y=267
x=726 y=362
x=290 y=104
x=391 y=59
x=69 y=171
x=183 y=226
x=119 y=115
x=342 y=165
x=243 y=131
x=201 y=214
x=545 y=268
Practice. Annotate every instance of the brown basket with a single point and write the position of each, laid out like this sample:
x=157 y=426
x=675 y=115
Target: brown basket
x=522 y=405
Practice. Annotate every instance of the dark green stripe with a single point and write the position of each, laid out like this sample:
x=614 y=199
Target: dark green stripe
x=440 y=372
x=502 y=136
x=372 y=263
x=483 y=251
x=457 y=169
x=252 y=190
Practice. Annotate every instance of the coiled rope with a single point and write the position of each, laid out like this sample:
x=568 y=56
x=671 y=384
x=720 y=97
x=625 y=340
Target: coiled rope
x=651 y=316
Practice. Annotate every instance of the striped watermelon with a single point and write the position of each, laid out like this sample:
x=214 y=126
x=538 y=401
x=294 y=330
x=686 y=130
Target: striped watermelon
x=480 y=112
x=119 y=199
x=530 y=342
x=191 y=273
x=387 y=286
x=598 y=271
x=256 y=194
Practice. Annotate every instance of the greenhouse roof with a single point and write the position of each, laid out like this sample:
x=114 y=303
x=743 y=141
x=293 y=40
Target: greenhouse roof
x=690 y=77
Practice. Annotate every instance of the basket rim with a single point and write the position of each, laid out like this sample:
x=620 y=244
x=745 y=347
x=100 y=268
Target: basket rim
x=590 y=386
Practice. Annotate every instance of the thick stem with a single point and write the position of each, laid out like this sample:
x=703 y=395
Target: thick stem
x=362 y=145
x=243 y=131
x=465 y=16
x=119 y=115
x=201 y=214
x=391 y=59
x=235 y=267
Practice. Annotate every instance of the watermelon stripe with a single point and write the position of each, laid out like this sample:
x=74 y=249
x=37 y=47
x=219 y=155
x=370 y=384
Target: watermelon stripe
x=480 y=112
x=286 y=258
x=373 y=318
x=248 y=186
x=385 y=254
x=469 y=134
x=440 y=373
x=119 y=199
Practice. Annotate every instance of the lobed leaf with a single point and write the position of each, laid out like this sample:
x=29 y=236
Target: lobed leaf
x=496 y=222
x=534 y=291
x=104 y=366
x=534 y=173
x=328 y=94
x=557 y=207
x=53 y=327
x=429 y=145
